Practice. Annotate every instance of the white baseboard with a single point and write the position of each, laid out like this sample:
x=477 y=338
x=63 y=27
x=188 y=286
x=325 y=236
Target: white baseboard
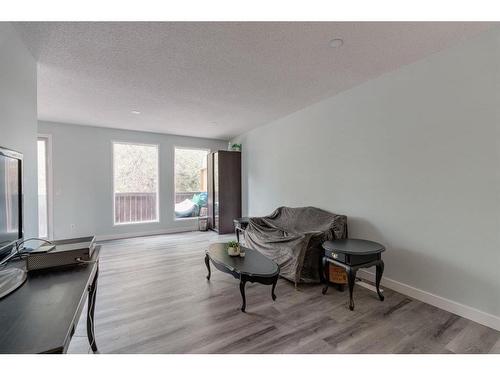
x=457 y=308
x=119 y=236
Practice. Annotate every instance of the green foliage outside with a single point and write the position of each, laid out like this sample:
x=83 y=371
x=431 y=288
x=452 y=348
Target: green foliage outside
x=188 y=166
x=135 y=168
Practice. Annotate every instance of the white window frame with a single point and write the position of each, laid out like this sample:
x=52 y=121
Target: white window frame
x=208 y=150
x=49 y=182
x=158 y=214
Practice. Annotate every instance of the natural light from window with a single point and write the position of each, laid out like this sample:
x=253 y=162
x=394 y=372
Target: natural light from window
x=135 y=183
x=43 y=222
x=190 y=183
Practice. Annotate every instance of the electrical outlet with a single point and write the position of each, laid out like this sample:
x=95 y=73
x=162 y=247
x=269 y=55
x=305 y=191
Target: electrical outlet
x=72 y=227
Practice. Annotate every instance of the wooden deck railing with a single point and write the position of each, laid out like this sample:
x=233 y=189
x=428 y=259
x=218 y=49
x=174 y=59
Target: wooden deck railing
x=136 y=207
x=179 y=197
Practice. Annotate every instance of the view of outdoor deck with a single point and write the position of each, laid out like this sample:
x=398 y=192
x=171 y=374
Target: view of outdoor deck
x=142 y=207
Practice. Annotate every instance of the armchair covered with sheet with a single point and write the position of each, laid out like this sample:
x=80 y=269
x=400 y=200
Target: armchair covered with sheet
x=292 y=237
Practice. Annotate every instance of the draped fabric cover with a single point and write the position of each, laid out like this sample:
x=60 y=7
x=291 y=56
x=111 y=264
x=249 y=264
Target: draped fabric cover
x=292 y=237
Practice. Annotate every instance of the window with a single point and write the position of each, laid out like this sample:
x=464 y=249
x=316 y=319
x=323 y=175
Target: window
x=44 y=198
x=190 y=182
x=9 y=169
x=135 y=183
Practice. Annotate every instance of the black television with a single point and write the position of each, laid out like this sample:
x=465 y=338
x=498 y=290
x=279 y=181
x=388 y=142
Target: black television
x=11 y=200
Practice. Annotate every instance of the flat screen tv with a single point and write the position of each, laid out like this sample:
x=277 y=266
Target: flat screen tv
x=11 y=200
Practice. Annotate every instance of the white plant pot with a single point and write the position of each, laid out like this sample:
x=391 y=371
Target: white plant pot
x=233 y=251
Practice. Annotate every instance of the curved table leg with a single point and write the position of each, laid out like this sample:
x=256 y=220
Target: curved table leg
x=92 y=291
x=378 y=277
x=237 y=230
x=207 y=263
x=242 y=290
x=321 y=270
x=274 y=287
x=326 y=273
x=351 y=279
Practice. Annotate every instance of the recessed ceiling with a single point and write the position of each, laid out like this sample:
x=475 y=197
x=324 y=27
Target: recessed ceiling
x=214 y=79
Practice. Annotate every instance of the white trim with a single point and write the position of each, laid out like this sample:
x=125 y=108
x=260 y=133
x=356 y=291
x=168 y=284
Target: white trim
x=465 y=311
x=158 y=214
x=125 y=223
x=119 y=236
x=49 y=182
x=191 y=218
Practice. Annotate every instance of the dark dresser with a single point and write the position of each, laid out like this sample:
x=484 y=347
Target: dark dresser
x=224 y=190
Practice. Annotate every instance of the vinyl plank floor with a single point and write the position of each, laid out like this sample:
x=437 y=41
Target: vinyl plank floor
x=153 y=297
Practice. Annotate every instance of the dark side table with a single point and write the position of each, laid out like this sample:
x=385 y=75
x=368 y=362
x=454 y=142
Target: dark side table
x=41 y=316
x=353 y=254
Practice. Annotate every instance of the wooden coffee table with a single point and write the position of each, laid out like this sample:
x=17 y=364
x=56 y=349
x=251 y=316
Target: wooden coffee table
x=254 y=267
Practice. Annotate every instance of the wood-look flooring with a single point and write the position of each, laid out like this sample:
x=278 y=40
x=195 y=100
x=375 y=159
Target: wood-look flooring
x=153 y=297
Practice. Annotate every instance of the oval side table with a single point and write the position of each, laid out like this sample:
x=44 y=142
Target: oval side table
x=353 y=254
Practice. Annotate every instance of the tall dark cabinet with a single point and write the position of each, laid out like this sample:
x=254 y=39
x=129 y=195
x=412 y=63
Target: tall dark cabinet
x=224 y=190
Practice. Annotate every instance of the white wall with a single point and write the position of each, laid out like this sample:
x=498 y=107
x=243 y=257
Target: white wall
x=83 y=178
x=18 y=115
x=412 y=158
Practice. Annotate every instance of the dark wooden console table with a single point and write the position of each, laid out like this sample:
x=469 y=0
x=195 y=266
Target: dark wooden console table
x=254 y=268
x=353 y=254
x=41 y=316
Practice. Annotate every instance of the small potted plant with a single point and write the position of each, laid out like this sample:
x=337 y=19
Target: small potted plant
x=233 y=248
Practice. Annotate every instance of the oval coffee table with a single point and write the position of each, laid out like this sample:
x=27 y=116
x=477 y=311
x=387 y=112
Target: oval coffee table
x=254 y=267
x=353 y=254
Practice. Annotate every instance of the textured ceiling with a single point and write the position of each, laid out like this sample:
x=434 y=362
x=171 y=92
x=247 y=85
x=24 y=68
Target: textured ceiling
x=216 y=79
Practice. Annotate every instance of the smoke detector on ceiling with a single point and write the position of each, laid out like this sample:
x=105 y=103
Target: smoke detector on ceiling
x=336 y=43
